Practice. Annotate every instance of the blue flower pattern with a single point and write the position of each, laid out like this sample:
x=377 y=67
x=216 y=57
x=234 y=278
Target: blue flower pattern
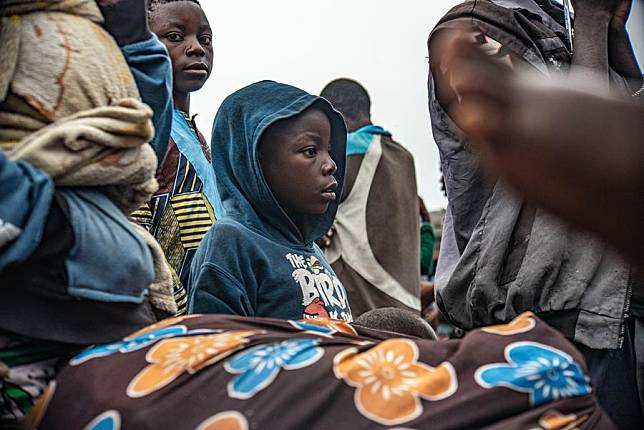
x=109 y=420
x=133 y=343
x=313 y=328
x=258 y=367
x=546 y=373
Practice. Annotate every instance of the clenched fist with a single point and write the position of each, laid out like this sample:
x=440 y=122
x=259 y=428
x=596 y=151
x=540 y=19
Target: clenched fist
x=125 y=20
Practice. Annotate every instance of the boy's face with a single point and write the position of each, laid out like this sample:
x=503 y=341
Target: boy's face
x=296 y=161
x=184 y=30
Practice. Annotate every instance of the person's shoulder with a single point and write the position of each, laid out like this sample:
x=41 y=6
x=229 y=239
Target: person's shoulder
x=234 y=236
x=468 y=4
x=227 y=243
x=389 y=141
x=480 y=12
x=460 y=10
x=227 y=230
x=391 y=145
x=470 y=7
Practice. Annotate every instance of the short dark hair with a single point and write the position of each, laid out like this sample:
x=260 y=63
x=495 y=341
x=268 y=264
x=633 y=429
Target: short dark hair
x=153 y=5
x=349 y=98
x=398 y=321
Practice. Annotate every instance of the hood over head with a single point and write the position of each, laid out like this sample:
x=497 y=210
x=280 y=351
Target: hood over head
x=239 y=125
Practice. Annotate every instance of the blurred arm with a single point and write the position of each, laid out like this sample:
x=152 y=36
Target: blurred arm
x=152 y=70
x=126 y=21
x=573 y=152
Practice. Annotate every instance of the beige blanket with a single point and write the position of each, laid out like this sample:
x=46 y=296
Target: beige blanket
x=70 y=106
x=98 y=147
x=63 y=76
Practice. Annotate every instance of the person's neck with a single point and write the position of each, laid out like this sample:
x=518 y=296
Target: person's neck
x=355 y=125
x=182 y=101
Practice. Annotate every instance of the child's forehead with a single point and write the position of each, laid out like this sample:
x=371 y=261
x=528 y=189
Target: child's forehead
x=312 y=121
x=181 y=13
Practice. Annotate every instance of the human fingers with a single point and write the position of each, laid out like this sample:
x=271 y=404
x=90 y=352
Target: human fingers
x=482 y=85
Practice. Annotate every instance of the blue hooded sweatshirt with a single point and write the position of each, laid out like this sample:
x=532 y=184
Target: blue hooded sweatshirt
x=256 y=261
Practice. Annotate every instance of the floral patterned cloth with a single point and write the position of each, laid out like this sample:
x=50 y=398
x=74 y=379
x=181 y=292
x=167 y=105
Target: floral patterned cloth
x=235 y=373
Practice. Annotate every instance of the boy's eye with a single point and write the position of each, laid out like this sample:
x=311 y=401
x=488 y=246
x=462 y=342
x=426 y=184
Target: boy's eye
x=205 y=39
x=310 y=152
x=174 y=37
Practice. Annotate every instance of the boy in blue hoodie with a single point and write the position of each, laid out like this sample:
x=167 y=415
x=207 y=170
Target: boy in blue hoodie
x=279 y=154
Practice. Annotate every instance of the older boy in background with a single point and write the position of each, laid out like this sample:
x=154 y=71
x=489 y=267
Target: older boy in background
x=186 y=204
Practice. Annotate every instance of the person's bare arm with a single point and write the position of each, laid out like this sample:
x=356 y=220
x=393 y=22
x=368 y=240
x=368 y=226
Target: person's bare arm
x=590 y=58
x=601 y=41
x=621 y=56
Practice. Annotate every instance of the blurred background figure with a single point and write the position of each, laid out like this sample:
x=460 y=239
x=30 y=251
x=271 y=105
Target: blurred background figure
x=374 y=247
x=427 y=241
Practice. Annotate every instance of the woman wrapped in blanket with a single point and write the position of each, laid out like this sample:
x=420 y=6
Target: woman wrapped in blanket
x=73 y=271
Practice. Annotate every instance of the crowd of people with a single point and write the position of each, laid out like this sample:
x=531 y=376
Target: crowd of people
x=282 y=275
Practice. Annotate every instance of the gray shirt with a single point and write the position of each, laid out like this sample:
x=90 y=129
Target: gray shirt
x=500 y=257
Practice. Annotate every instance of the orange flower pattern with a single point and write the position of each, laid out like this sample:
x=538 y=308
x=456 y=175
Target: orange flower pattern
x=389 y=380
x=230 y=420
x=170 y=358
x=554 y=420
x=140 y=339
x=271 y=366
x=521 y=324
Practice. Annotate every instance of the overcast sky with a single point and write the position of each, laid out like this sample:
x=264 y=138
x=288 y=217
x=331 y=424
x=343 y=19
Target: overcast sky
x=381 y=43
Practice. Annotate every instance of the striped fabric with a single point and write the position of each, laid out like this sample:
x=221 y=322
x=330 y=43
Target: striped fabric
x=179 y=214
x=194 y=216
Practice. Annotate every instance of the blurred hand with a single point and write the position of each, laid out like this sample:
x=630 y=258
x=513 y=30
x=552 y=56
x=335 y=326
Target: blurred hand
x=426 y=294
x=432 y=316
x=574 y=151
x=125 y=20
